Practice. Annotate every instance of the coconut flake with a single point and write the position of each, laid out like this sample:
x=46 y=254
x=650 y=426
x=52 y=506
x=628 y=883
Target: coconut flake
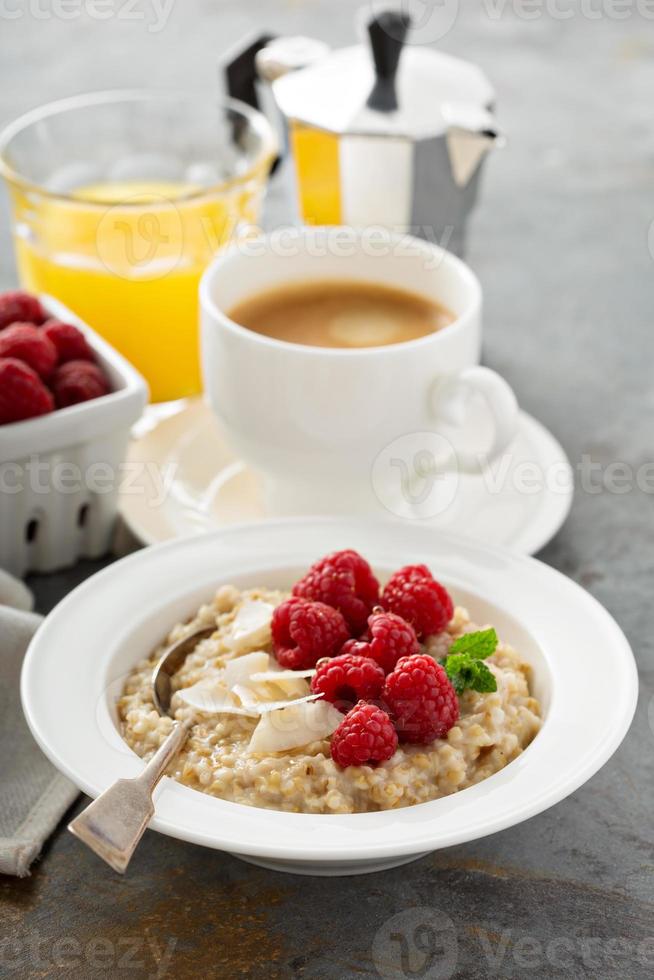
x=240 y=670
x=234 y=689
x=251 y=625
x=291 y=683
x=281 y=675
x=265 y=707
x=252 y=695
x=213 y=697
x=295 y=724
x=251 y=700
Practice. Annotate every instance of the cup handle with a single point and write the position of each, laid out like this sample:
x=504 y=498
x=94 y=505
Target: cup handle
x=448 y=400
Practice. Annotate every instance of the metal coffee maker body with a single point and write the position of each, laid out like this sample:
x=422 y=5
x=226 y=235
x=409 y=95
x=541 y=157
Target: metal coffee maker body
x=382 y=134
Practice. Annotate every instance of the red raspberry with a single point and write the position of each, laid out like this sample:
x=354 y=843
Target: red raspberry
x=390 y=637
x=19 y=307
x=345 y=581
x=421 y=700
x=26 y=343
x=365 y=737
x=78 y=381
x=415 y=595
x=70 y=342
x=22 y=393
x=305 y=631
x=346 y=679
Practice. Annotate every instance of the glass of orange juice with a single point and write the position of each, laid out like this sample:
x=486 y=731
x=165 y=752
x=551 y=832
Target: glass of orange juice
x=120 y=200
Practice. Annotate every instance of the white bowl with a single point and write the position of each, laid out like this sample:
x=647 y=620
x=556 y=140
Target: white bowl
x=584 y=675
x=64 y=469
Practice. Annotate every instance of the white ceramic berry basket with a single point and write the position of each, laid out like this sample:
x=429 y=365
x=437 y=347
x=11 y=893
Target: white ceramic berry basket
x=60 y=473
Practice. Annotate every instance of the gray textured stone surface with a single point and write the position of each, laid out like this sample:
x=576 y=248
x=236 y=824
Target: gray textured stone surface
x=560 y=242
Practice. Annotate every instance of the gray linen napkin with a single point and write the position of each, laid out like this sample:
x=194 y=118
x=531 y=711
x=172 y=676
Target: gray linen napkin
x=33 y=795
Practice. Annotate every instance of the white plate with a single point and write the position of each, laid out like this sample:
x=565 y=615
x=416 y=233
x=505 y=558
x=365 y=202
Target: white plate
x=584 y=675
x=519 y=503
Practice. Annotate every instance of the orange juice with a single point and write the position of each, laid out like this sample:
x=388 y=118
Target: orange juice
x=127 y=258
x=316 y=155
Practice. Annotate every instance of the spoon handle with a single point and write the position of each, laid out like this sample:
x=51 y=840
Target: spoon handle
x=164 y=755
x=113 y=824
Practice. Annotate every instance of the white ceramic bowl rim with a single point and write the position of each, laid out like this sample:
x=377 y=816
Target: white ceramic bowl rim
x=589 y=663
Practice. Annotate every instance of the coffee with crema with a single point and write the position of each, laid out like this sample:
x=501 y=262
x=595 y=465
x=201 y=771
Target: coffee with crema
x=345 y=314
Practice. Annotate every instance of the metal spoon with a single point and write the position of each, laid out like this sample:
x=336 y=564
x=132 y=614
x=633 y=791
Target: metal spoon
x=114 y=823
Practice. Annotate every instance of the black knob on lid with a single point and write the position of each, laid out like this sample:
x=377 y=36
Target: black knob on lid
x=387 y=36
x=241 y=72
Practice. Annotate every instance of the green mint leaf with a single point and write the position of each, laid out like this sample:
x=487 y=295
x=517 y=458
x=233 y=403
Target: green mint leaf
x=484 y=680
x=479 y=645
x=467 y=673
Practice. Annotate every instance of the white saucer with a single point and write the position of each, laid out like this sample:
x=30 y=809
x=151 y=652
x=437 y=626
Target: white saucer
x=583 y=674
x=182 y=479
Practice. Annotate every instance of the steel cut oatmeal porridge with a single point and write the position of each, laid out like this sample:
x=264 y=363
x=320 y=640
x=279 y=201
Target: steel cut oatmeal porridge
x=292 y=739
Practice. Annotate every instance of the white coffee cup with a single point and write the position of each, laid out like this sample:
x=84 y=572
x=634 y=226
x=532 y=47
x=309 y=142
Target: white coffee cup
x=313 y=420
